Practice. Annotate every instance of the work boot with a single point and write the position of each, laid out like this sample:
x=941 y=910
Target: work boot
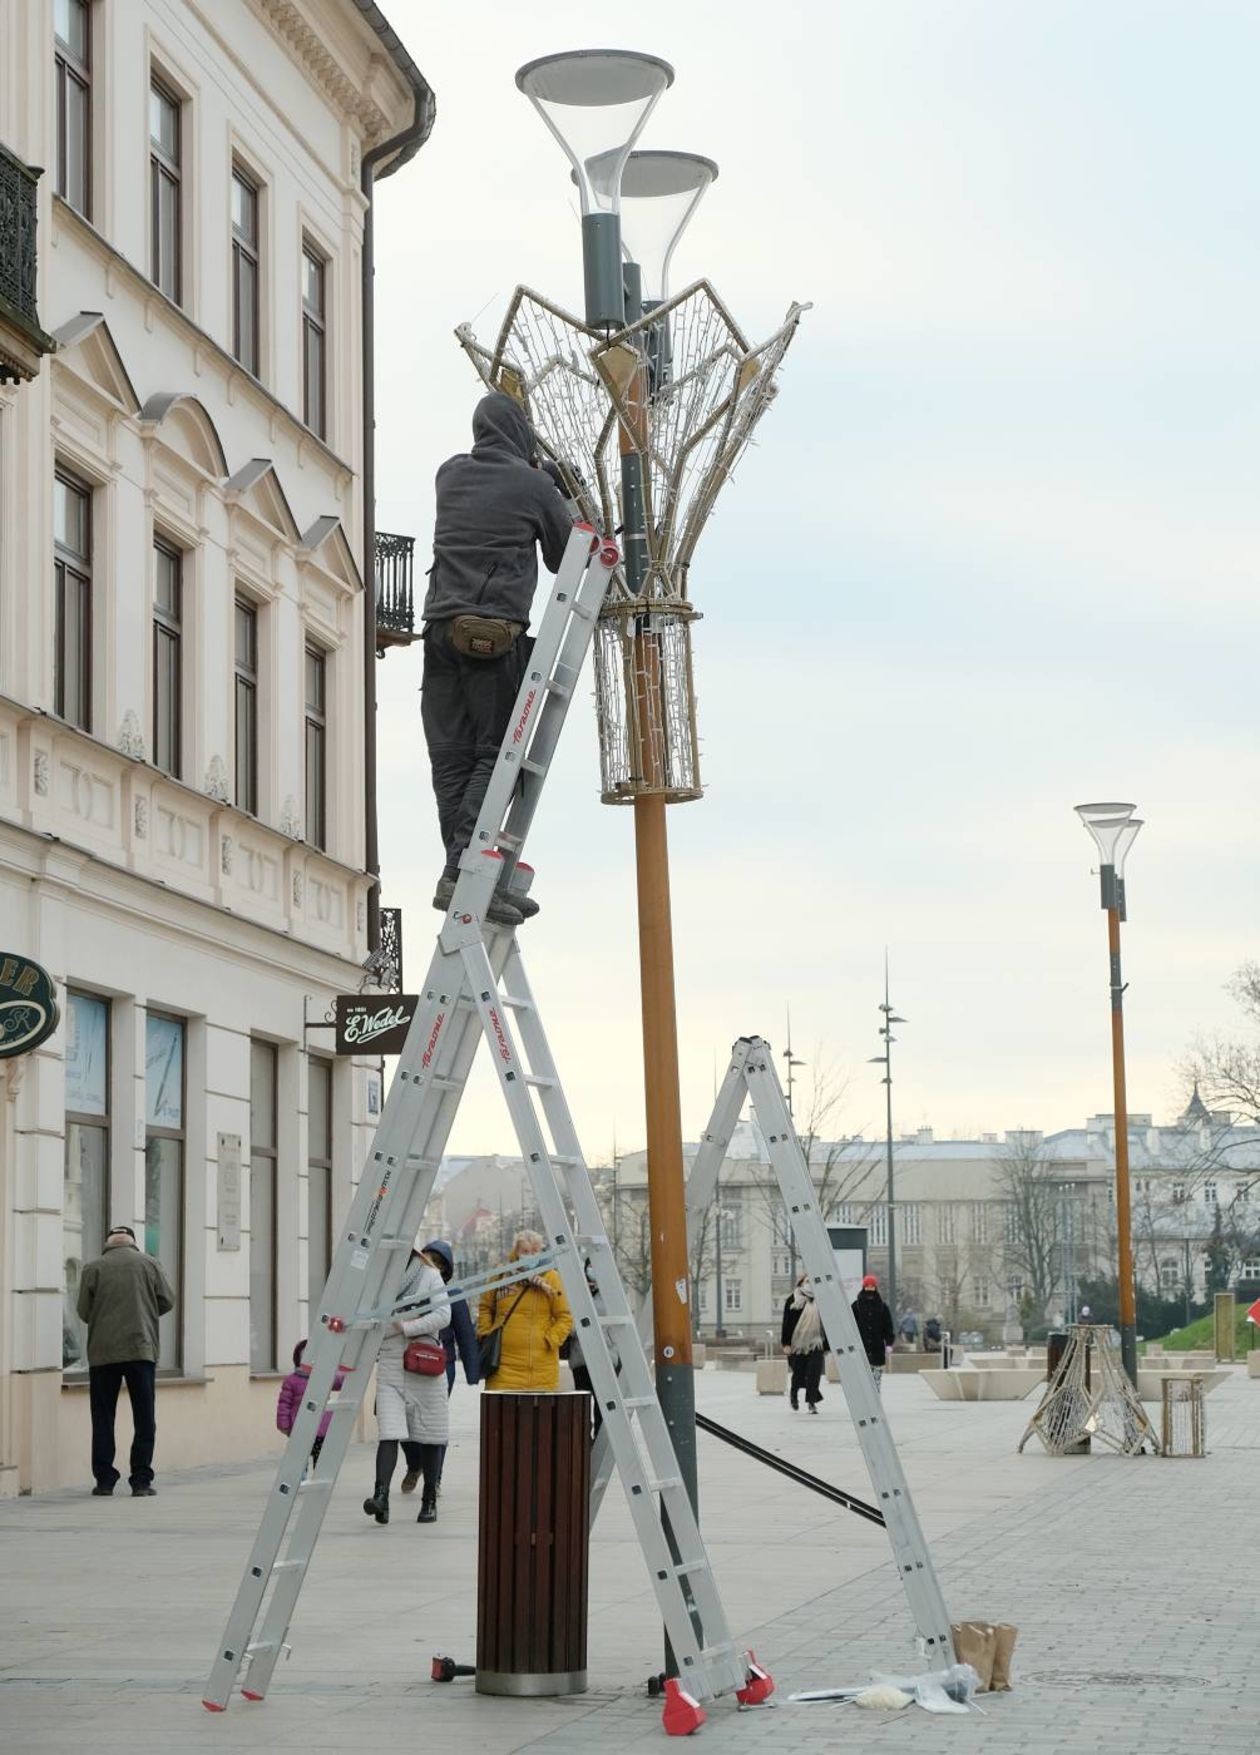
x=503 y=912
x=378 y=1505
x=526 y=904
x=428 y=1506
x=444 y=895
x=144 y=1492
x=103 y=1490
x=411 y=1480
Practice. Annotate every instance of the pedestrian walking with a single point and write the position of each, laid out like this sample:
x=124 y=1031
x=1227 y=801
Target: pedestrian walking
x=494 y=508
x=122 y=1294
x=458 y=1337
x=875 y=1326
x=412 y=1404
x=525 y=1324
x=805 y=1344
x=289 y=1404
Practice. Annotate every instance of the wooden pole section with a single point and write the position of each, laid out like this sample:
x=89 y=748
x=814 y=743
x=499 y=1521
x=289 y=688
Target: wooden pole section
x=1124 y=1226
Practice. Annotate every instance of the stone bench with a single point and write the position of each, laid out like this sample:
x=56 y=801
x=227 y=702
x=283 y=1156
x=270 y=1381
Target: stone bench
x=903 y=1363
x=1150 y=1384
x=1010 y=1383
x=1253 y=1363
x=772 y=1376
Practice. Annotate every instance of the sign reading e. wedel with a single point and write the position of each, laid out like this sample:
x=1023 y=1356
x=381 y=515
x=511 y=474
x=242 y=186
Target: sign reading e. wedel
x=28 y=1005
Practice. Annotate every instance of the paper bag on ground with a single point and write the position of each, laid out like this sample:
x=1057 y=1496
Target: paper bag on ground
x=975 y=1643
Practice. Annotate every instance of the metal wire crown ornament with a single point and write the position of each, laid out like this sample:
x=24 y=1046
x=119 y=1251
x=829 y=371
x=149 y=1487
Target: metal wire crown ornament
x=684 y=390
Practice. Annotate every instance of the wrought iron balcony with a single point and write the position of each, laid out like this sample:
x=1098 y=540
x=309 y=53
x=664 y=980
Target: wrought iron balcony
x=395 y=597
x=22 y=341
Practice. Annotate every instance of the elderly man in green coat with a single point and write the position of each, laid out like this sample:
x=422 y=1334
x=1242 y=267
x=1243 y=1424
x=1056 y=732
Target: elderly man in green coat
x=121 y=1296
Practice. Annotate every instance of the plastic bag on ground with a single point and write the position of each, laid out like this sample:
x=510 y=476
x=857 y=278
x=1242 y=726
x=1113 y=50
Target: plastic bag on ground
x=948 y=1690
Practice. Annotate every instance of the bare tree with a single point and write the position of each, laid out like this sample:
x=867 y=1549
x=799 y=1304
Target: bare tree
x=1029 y=1186
x=842 y=1170
x=1227 y=1069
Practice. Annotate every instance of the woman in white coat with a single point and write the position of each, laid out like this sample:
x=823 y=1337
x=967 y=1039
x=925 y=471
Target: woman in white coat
x=410 y=1406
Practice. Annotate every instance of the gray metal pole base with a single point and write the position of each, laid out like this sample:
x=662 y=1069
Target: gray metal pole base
x=1128 y=1351
x=676 y=1392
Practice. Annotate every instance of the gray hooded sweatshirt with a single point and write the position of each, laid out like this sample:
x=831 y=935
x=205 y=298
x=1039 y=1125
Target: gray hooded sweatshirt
x=492 y=508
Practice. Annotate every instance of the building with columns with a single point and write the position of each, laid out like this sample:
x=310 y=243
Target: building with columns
x=187 y=832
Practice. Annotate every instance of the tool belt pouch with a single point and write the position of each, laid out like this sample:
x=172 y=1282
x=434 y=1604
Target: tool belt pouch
x=483 y=636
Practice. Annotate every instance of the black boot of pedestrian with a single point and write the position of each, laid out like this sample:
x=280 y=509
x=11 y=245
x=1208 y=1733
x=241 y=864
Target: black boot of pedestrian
x=431 y=1456
x=378 y=1505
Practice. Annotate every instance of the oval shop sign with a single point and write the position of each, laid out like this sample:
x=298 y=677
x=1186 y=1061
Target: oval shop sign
x=28 y=1005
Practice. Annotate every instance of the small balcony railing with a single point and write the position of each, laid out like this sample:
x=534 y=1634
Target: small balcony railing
x=22 y=341
x=395 y=592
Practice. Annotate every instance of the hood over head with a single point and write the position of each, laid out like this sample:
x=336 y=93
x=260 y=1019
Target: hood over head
x=440 y=1249
x=500 y=424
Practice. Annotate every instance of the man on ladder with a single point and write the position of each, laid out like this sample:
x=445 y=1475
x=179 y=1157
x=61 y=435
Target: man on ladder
x=494 y=507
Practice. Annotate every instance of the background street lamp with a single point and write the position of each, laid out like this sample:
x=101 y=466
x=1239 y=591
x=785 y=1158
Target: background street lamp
x=885 y=1060
x=1114 y=829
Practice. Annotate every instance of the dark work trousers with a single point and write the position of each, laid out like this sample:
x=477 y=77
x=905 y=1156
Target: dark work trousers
x=807 y=1370
x=104 y=1382
x=465 y=705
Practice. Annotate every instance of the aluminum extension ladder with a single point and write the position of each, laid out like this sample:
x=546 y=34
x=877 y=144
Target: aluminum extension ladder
x=752 y=1074
x=476 y=986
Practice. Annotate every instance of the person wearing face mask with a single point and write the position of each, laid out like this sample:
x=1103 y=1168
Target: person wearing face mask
x=532 y=1319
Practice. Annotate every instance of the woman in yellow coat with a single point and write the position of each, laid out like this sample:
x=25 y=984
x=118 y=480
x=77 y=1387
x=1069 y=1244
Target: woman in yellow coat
x=535 y=1318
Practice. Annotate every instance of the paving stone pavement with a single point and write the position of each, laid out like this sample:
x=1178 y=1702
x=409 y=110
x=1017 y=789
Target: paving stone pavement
x=1131 y=1581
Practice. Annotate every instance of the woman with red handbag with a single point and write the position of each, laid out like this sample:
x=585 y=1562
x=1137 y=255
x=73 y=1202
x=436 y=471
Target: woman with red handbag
x=411 y=1399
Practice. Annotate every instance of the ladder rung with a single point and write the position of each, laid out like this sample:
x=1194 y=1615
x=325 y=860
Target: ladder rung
x=519 y=1005
x=395 y=1242
x=685 y=1566
x=427 y=1163
x=288 y=1566
x=444 y=1084
x=310 y=1485
x=626 y=1321
x=569 y=1162
x=258 y=1646
x=532 y=767
x=638 y=1401
x=541 y=1081
x=564 y=690
x=665 y=1484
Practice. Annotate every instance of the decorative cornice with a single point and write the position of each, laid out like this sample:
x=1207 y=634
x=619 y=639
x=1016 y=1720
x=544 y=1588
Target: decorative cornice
x=323 y=67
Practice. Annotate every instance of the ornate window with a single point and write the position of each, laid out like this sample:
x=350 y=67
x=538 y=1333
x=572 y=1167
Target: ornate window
x=164 y=1141
x=316 y=746
x=168 y=661
x=314 y=340
x=246 y=706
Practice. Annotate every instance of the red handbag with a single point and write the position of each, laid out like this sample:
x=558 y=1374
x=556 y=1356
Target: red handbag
x=425 y=1358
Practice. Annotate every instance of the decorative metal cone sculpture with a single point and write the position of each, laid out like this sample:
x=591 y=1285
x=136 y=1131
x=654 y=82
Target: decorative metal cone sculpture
x=1099 y=1403
x=683 y=389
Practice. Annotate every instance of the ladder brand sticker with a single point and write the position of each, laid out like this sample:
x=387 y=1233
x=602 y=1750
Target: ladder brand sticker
x=518 y=730
x=505 y=1053
x=28 y=1005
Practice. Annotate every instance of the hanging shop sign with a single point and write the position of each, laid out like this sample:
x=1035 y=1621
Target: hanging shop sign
x=28 y=1005
x=373 y=1023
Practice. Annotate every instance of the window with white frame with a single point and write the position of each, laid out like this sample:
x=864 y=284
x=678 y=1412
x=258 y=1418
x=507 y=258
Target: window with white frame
x=246 y=269
x=319 y=1170
x=732 y=1294
x=1010 y=1222
x=1249 y=1269
x=979 y=1222
x=314 y=339
x=947 y=1222
x=166 y=189
x=245 y=705
x=263 y=1157
x=1169 y=1274
x=732 y=1218
x=168 y=658
x=73 y=66
x=877 y=1221
x=981 y=1294
x=72 y=577
x=702 y=1296
x=1209 y=1194
x=85 y=1198
x=911 y=1222
x=164 y=1167
x=1178 y=1192
x=316 y=745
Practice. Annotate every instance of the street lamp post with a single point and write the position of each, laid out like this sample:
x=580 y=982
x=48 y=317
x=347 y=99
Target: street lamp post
x=604 y=98
x=885 y=1060
x=1114 y=829
x=792 y=1061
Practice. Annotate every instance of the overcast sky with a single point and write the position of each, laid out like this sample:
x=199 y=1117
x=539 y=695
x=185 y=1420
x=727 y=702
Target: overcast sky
x=995 y=551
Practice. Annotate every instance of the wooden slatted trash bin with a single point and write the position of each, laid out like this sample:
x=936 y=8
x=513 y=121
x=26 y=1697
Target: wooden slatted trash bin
x=533 y=1545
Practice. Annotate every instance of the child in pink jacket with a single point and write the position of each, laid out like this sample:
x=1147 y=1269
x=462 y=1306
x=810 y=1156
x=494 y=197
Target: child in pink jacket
x=292 y=1391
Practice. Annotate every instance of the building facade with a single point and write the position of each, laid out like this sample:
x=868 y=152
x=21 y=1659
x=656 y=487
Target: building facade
x=987 y=1229
x=185 y=664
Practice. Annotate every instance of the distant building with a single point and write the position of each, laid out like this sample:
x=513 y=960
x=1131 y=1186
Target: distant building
x=186 y=650
x=965 y=1209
